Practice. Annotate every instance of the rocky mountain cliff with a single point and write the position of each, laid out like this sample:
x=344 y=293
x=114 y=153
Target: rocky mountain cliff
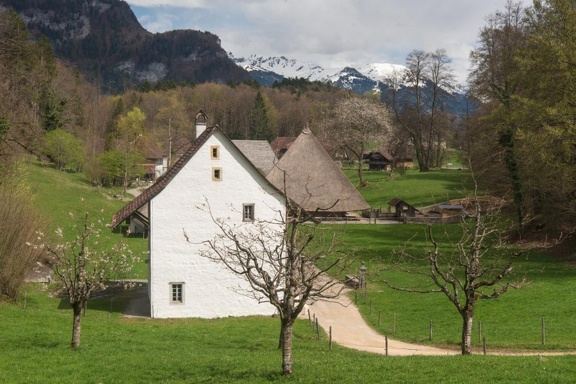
x=106 y=42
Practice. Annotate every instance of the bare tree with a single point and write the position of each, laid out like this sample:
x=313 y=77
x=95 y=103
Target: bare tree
x=474 y=271
x=84 y=266
x=358 y=125
x=419 y=99
x=282 y=263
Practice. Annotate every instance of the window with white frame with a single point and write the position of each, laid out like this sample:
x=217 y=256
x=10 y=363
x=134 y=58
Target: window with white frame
x=247 y=212
x=177 y=293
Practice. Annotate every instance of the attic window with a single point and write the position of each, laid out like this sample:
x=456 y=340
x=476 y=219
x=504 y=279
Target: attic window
x=214 y=152
x=216 y=174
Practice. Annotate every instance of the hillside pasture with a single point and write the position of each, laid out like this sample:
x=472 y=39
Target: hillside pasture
x=34 y=344
x=35 y=332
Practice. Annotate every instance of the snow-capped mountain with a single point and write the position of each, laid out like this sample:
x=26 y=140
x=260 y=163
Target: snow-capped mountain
x=376 y=77
x=283 y=66
x=267 y=70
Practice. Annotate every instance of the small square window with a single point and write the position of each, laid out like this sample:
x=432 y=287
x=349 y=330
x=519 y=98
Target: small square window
x=177 y=293
x=247 y=212
x=214 y=152
x=216 y=174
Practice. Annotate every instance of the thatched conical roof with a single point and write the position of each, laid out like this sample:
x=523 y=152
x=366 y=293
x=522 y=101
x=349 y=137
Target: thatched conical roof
x=313 y=180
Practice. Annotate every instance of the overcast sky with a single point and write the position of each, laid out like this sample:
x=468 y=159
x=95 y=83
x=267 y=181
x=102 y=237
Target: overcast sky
x=331 y=33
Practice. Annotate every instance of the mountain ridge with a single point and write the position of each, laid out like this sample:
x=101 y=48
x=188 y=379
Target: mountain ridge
x=275 y=68
x=106 y=42
x=372 y=77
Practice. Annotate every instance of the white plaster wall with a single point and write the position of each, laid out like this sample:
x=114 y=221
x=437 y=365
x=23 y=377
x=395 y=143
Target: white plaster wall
x=209 y=288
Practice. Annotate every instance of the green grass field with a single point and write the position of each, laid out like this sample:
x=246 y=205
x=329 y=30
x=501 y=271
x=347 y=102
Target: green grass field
x=420 y=189
x=35 y=332
x=512 y=321
x=34 y=347
x=57 y=194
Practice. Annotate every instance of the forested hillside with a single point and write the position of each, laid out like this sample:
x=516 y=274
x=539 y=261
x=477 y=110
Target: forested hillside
x=104 y=41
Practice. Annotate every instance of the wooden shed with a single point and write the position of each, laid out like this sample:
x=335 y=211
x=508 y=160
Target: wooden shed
x=402 y=208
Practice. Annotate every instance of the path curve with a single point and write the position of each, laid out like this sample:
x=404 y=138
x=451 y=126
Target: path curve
x=351 y=331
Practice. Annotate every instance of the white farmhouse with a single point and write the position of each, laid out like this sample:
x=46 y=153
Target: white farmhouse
x=215 y=172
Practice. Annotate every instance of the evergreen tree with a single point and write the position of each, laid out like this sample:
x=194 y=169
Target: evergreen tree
x=262 y=119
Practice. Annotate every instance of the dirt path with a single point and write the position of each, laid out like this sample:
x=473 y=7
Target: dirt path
x=350 y=330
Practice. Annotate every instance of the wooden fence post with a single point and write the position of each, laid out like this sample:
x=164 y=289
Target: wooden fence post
x=484 y=345
x=317 y=330
x=330 y=339
x=386 y=343
x=431 y=330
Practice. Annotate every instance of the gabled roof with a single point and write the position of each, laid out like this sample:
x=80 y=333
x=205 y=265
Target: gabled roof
x=379 y=152
x=397 y=201
x=165 y=179
x=259 y=152
x=162 y=181
x=313 y=180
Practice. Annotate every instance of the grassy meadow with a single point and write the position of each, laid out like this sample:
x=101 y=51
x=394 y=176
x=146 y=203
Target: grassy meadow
x=60 y=194
x=35 y=332
x=419 y=189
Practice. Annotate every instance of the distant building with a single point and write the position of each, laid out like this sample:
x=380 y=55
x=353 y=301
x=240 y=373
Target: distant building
x=383 y=160
x=314 y=181
x=402 y=209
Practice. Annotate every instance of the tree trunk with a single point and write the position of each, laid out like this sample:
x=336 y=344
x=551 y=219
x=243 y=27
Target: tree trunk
x=77 y=308
x=286 y=332
x=363 y=182
x=468 y=319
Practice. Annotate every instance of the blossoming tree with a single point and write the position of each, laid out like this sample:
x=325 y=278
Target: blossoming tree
x=85 y=266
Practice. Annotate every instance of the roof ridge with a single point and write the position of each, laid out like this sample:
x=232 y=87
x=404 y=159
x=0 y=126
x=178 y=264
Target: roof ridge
x=162 y=181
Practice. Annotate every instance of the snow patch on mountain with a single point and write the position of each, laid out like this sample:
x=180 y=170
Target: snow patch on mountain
x=359 y=79
x=283 y=66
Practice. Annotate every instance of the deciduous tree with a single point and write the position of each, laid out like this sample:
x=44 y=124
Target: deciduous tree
x=130 y=127
x=358 y=124
x=65 y=149
x=475 y=269
x=496 y=78
x=84 y=266
x=419 y=97
x=282 y=265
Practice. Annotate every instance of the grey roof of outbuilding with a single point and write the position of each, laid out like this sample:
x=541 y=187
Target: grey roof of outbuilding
x=313 y=180
x=259 y=152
